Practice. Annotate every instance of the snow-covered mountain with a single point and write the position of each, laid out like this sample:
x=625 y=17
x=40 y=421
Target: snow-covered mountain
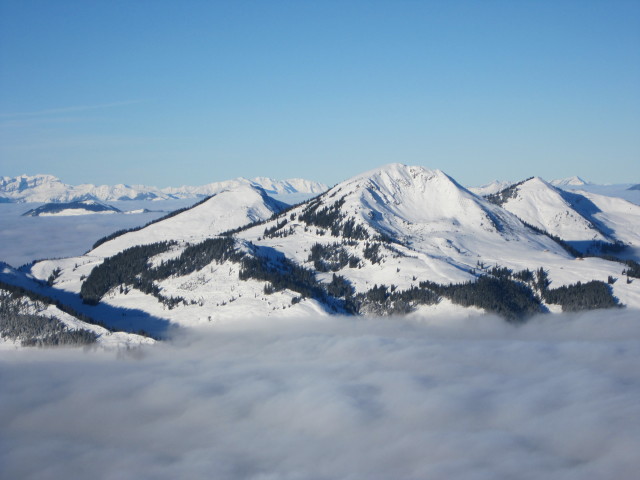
x=389 y=240
x=574 y=181
x=84 y=207
x=582 y=219
x=626 y=191
x=50 y=189
x=546 y=207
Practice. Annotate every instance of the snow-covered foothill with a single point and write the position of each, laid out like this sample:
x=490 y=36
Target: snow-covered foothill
x=544 y=206
x=225 y=210
x=43 y=308
x=578 y=217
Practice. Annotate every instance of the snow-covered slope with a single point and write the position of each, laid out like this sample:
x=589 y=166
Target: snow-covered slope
x=616 y=216
x=576 y=184
x=49 y=189
x=544 y=206
x=580 y=218
x=16 y=289
x=85 y=207
x=225 y=210
x=625 y=191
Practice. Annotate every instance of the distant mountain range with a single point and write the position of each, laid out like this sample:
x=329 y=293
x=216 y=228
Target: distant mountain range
x=50 y=189
x=390 y=241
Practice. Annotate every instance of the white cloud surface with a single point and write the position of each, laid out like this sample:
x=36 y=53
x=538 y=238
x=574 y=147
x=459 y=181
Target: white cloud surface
x=335 y=398
x=23 y=239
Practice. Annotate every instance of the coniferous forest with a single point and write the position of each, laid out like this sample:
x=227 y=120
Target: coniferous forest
x=20 y=321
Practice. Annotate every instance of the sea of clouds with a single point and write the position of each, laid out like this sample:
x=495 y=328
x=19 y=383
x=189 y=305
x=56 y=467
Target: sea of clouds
x=23 y=239
x=335 y=398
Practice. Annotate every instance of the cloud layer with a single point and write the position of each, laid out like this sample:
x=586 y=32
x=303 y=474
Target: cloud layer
x=335 y=399
x=23 y=239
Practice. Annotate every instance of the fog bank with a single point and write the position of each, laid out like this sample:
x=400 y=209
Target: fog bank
x=335 y=398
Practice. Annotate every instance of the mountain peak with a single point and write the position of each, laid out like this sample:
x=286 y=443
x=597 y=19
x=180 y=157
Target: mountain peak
x=574 y=181
x=396 y=176
x=399 y=201
x=537 y=182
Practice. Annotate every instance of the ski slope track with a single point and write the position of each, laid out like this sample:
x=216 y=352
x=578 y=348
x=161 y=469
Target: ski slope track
x=395 y=226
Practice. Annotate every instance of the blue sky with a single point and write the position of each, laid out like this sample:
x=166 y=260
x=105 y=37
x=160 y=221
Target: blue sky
x=189 y=92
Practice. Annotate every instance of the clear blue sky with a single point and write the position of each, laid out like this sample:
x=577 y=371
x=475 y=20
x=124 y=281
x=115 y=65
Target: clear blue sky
x=190 y=92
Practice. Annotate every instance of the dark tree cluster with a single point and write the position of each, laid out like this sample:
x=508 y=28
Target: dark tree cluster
x=131 y=267
x=503 y=196
x=340 y=287
x=372 y=252
x=270 y=232
x=121 y=269
x=503 y=296
x=17 y=322
x=600 y=248
x=331 y=258
x=632 y=270
x=582 y=296
x=383 y=300
x=542 y=281
x=281 y=273
x=35 y=297
x=331 y=218
x=500 y=272
x=196 y=257
x=350 y=229
x=53 y=277
x=579 y=296
x=525 y=276
x=322 y=217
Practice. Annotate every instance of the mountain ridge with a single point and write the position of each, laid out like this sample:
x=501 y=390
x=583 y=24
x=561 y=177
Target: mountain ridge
x=44 y=188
